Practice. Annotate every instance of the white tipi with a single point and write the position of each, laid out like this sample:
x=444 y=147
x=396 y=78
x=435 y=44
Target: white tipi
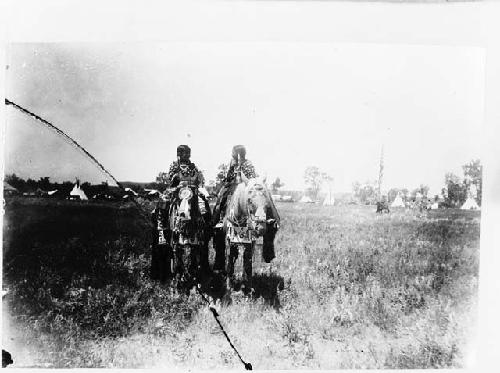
x=329 y=199
x=470 y=204
x=77 y=192
x=398 y=201
x=306 y=199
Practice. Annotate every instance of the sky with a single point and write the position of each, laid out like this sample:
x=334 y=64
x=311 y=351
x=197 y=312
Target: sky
x=293 y=104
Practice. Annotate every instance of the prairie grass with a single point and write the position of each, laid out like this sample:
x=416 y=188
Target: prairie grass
x=348 y=289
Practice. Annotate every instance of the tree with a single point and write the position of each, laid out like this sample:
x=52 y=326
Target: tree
x=392 y=194
x=44 y=183
x=86 y=187
x=423 y=189
x=276 y=185
x=314 y=178
x=368 y=194
x=405 y=193
x=162 y=178
x=456 y=192
x=356 y=187
x=365 y=193
x=221 y=175
x=473 y=174
x=15 y=181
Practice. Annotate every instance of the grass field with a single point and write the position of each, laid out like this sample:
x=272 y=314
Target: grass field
x=348 y=289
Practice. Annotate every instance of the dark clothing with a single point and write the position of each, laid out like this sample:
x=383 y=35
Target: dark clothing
x=185 y=172
x=246 y=167
x=160 y=249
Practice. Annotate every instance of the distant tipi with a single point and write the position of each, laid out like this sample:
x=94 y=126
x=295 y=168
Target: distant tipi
x=306 y=199
x=78 y=193
x=329 y=199
x=398 y=201
x=470 y=204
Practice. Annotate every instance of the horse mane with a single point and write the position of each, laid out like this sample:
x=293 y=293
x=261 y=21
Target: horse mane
x=237 y=208
x=237 y=205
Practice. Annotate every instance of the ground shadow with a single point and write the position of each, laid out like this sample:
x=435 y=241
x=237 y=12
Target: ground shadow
x=268 y=287
x=265 y=286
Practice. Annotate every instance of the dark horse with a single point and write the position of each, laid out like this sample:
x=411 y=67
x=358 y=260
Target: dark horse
x=180 y=247
x=382 y=207
x=250 y=213
x=188 y=232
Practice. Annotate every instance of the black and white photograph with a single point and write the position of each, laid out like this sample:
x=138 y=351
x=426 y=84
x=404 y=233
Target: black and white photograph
x=250 y=193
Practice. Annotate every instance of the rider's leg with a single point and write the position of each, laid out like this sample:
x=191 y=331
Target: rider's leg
x=207 y=219
x=219 y=240
x=220 y=205
x=219 y=244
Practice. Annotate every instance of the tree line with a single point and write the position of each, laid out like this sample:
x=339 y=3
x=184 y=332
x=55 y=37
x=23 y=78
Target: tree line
x=453 y=193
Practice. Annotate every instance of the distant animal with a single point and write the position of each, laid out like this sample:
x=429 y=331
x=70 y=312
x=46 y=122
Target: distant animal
x=382 y=207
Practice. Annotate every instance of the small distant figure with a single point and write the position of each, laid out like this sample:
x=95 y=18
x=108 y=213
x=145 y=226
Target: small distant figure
x=6 y=359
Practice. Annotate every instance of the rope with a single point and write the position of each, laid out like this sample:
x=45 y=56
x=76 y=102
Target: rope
x=60 y=132
x=79 y=147
x=216 y=315
x=63 y=134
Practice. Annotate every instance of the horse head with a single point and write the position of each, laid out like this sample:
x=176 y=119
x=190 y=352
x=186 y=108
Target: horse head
x=253 y=203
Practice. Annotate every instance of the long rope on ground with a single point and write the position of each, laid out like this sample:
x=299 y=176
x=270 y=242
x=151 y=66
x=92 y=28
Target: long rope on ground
x=60 y=132
x=248 y=366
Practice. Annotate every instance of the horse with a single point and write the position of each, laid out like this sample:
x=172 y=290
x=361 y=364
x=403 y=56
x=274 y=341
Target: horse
x=251 y=216
x=188 y=237
x=382 y=207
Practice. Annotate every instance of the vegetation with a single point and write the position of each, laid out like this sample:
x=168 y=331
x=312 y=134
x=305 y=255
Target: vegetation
x=276 y=185
x=455 y=189
x=314 y=179
x=348 y=289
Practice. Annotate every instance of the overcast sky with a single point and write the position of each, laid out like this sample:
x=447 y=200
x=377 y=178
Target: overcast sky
x=293 y=105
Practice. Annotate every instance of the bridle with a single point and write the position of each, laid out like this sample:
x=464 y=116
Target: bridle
x=250 y=219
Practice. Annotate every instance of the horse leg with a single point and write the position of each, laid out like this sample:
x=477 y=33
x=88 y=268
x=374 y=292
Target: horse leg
x=155 y=262
x=231 y=260
x=247 y=266
x=219 y=244
x=163 y=263
x=203 y=254
x=179 y=260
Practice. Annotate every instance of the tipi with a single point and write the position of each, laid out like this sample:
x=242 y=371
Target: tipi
x=470 y=204
x=9 y=189
x=78 y=193
x=398 y=201
x=329 y=199
x=306 y=199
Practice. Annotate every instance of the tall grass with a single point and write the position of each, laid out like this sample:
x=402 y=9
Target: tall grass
x=348 y=289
